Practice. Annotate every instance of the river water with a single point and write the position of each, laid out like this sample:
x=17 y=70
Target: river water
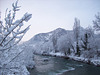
x=47 y=65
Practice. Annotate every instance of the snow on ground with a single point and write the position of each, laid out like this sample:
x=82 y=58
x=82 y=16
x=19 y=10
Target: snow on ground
x=93 y=61
x=14 y=68
x=56 y=54
x=16 y=61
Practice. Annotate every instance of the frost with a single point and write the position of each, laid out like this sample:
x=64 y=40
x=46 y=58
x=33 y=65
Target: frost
x=17 y=22
x=27 y=17
x=21 y=24
x=56 y=54
x=11 y=28
x=14 y=60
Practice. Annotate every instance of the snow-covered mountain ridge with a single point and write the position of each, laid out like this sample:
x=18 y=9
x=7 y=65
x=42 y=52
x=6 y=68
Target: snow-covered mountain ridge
x=47 y=36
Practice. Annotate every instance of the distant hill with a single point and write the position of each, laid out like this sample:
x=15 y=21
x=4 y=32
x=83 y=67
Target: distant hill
x=48 y=36
x=44 y=41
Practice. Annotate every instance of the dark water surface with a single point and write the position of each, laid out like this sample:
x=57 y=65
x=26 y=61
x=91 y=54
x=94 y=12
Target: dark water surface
x=47 y=65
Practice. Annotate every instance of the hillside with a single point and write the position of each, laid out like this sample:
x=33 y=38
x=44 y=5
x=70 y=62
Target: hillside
x=61 y=42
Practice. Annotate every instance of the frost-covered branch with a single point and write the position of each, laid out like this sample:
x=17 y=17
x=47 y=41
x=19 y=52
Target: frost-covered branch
x=10 y=32
x=96 y=22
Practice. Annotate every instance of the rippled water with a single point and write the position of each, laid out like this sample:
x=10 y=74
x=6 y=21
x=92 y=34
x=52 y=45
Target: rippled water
x=60 y=66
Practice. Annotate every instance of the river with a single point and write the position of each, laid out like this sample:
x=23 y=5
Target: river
x=47 y=65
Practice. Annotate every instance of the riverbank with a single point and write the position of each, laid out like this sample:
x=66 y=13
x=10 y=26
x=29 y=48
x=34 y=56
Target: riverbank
x=60 y=66
x=91 y=61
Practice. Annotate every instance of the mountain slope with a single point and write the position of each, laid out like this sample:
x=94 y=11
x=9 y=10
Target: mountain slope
x=47 y=36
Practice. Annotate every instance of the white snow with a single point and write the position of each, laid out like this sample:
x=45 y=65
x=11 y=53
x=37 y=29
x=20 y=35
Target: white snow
x=21 y=58
x=64 y=42
x=26 y=17
x=95 y=62
x=14 y=61
x=56 y=54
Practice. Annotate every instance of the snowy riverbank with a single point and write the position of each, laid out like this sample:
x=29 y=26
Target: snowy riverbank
x=94 y=61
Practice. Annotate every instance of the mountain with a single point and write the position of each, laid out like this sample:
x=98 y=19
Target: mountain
x=61 y=42
x=45 y=42
x=44 y=37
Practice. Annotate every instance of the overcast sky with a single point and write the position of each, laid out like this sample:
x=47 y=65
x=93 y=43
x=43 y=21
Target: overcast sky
x=48 y=15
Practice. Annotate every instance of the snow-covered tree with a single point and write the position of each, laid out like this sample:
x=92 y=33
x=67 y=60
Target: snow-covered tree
x=89 y=44
x=96 y=22
x=64 y=44
x=54 y=41
x=76 y=29
x=88 y=36
x=11 y=32
x=96 y=25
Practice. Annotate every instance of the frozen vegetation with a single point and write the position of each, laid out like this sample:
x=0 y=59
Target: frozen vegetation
x=14 y=59
x=80 y=44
